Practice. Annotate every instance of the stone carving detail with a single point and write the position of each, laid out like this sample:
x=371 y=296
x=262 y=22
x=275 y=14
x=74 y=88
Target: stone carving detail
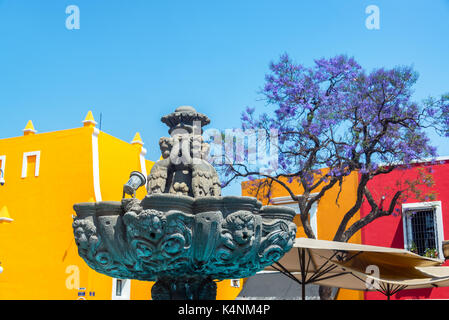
x=184 y=169
x=239 y=238
x=278 y=238
x=183 y=234
x=173 y=243
x=85 y=236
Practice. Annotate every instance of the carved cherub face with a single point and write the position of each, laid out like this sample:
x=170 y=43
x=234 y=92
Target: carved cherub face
x=155 y=224
x=242 y=226
x=80 y=237
x=148 y=223
x=84 y=232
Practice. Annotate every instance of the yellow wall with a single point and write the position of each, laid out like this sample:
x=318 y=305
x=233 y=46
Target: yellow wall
x=329 y=214
x=112 y=175
x=37 y=250
x=227 y=292
x=38 y=245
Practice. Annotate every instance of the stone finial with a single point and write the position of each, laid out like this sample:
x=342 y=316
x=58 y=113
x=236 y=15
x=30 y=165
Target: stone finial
x=4 y=215
x=29 y=129
x=137 y=140
x=89 y=120
x=183 y=118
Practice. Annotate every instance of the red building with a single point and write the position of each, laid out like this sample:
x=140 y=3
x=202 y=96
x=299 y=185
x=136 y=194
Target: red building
x=420 y=222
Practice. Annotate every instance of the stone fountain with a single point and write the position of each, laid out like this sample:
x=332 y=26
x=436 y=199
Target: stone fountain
x=183 y=235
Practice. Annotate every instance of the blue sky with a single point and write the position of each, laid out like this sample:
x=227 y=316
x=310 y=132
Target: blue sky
x=134 y=61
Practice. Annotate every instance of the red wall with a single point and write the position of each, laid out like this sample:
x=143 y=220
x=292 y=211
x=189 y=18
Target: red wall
x=388 y=231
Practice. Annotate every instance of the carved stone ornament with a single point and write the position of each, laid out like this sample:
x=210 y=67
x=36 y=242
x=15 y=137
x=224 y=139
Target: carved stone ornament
x=183 y=234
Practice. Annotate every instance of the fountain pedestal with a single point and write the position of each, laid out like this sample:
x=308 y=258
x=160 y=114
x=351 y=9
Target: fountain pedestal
x=186 y=288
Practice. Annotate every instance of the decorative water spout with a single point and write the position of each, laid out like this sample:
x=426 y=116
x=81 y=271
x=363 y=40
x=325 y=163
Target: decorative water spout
x=183 y=235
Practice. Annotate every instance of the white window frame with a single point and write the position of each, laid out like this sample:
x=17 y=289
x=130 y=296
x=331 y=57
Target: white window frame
x=25 y=163
x=436 y=206
x=235 y=283
x=313 y=213
x=3 y=161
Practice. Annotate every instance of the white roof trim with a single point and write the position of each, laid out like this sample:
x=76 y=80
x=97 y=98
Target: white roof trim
x=288 y=199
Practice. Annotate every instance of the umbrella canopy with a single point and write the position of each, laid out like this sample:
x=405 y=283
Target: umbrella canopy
x=349 y=266
x=437 y=277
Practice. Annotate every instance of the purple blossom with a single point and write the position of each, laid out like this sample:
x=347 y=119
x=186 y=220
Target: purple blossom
x=334 y=114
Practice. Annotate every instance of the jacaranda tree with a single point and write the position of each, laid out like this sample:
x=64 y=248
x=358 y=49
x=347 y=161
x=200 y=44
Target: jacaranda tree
x=334 y=118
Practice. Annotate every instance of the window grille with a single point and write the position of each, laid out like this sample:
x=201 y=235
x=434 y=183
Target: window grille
x=422 y=231
x=119 y=287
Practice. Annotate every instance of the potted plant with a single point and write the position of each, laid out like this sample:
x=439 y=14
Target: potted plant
x=413 y=248
x=431 y=253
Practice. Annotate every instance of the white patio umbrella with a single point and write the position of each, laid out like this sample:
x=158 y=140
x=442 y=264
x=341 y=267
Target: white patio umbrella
x=345 y=265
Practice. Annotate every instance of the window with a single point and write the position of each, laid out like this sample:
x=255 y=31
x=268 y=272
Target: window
x=235 y=283
x=121 y=289
x=118 y=287
x=30 y=164
x=2 y=167
x=423 y=228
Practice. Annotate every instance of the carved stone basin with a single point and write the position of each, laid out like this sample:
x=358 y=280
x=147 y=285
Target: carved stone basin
x=170 y=236
x=183 y=234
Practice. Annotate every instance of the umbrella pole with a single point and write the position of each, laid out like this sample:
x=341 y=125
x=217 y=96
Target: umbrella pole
x=303 y=274
x=388 y=292
x=303 y=285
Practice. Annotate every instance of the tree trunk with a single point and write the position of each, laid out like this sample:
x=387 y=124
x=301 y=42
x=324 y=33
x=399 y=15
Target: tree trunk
x=326 y=293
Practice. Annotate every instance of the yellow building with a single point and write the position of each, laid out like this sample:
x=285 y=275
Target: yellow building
x=45 y=174
x=324 y=217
